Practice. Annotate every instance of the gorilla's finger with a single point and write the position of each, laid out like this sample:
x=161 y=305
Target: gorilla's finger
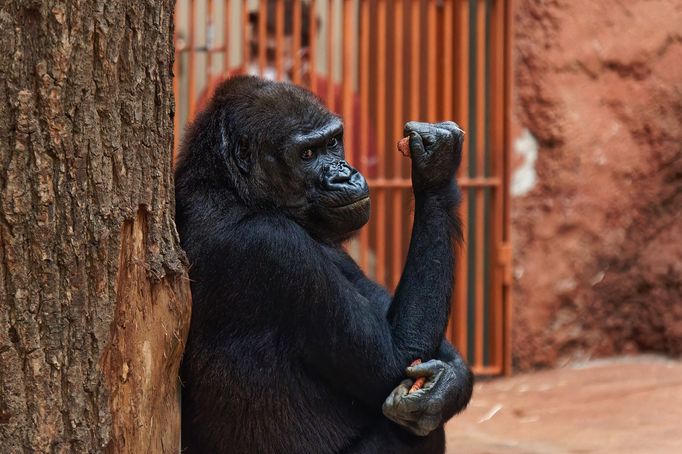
x=451 y=126
x=417 y=151
x=398 y=392
x=402 y=389
x=427 y=369
x=418 y=127
x=415 y=402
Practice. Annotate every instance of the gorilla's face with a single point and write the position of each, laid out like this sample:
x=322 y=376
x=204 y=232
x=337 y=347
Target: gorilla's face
x=284 y=151
x=308 y=177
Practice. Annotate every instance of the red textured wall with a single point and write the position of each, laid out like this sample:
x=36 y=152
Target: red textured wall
x=597 y=215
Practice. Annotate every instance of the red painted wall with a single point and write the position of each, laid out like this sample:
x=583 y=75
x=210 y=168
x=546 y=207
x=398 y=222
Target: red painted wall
x=597 y=205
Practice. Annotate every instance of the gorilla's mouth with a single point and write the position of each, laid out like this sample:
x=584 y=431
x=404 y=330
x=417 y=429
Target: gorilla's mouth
x=352 y=204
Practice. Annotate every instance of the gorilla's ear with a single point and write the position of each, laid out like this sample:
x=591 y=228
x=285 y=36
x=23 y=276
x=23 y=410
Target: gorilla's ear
x=243 y=155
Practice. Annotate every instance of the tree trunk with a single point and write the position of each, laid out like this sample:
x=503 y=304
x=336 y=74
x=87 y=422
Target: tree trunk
x=95 y=298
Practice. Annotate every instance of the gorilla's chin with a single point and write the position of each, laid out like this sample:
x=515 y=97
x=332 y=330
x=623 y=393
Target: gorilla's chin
x=343 y=221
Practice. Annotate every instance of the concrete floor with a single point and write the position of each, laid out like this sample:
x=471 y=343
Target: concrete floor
x=622 y=406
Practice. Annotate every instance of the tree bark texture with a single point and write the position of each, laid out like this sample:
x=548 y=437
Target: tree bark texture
x=95 y=297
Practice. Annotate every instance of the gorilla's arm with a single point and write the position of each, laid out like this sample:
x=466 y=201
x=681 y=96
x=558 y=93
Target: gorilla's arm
x=450 y=381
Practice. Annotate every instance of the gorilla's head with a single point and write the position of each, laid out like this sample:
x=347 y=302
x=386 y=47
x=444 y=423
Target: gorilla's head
x=276 y=147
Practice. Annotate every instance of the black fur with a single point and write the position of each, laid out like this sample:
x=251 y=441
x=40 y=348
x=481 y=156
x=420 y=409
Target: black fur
x=291 y=348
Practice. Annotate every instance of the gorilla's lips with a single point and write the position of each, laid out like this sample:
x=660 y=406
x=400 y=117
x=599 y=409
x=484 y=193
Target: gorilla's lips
x=349 y=216
x=357 y=203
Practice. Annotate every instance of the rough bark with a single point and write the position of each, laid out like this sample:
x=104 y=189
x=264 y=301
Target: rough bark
x=95 y=300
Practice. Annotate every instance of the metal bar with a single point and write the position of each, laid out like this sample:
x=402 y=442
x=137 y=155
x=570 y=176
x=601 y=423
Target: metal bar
x=330 y=56
x=448 y=113
x=210 y=30
x=364 y=120
x=202 y=49
x=191 y=80
x=486 y=370
x=397 y=194
x=246 y=49
x=296 y=42
x=462 y=51
x=227 y=21
x=313 y=46
x=480 y=165
x=506 y=22
x=448 y=76
x=348 y=44
x=497 y=157
x=381 y=141
x=415 y=63
x=279 y=39
x=262 y=35
x=432 y=64
x=404 y=183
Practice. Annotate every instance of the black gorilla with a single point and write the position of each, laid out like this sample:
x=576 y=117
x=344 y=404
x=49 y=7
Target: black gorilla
x=291 y=348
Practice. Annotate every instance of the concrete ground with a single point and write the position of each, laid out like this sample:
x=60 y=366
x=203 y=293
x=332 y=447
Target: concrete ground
x=626 y=406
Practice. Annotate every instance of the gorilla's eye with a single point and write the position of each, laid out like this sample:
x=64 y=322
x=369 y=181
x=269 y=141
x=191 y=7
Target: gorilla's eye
x=332 y=143
x=307 y=154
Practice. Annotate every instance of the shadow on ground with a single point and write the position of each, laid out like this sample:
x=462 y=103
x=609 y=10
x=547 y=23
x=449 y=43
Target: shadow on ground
x=627 y=405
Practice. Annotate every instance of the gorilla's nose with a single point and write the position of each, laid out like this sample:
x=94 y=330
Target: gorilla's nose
x=339 y=175
x=340 y=172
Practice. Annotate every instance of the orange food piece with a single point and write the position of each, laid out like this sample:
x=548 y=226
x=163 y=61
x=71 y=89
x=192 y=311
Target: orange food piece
x=404 y=146
x=418 y=383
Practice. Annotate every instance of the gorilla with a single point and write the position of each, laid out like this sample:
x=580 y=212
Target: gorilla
x=291 y=348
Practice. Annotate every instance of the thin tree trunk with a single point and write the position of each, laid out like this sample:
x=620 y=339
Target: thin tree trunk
x=95 y=298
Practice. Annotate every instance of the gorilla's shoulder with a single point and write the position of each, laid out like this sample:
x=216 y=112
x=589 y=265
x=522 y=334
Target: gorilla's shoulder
x=271 y=229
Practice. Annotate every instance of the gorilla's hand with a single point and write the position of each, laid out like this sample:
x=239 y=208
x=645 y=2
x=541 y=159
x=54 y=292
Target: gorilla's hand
x=421 y=411
x=436 y=150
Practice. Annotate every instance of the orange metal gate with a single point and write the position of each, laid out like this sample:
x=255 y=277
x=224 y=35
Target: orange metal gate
x=380 y=63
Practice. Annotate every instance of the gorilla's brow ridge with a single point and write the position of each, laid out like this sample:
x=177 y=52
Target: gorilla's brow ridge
x=314 y=136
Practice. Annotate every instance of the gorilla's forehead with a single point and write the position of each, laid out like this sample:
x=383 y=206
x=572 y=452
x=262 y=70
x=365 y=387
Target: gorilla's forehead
x=311 y=134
